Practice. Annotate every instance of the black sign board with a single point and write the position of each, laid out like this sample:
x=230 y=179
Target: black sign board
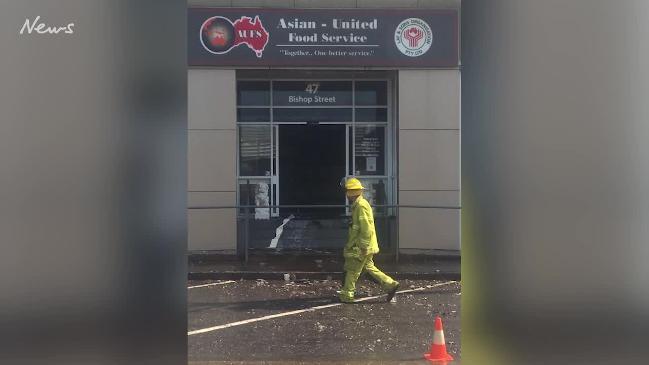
x=301 y=37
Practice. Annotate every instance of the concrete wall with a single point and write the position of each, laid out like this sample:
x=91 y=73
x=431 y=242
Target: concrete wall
x=429 y=125
x=212 y=166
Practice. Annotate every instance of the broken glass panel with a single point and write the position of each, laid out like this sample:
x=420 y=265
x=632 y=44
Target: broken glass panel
x=257 y=193
x=254 y=151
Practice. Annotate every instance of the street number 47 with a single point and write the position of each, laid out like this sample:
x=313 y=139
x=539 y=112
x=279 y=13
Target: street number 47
x=312 y=87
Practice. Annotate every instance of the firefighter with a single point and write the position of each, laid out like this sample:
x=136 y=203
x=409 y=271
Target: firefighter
x=362 y=245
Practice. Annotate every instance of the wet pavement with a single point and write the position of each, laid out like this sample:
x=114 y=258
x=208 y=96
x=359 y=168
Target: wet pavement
x=369 y=332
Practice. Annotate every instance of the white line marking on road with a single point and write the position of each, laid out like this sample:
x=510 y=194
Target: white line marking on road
x=212 y=284
x=408 y=291
x=279 y=315
x=278 y=232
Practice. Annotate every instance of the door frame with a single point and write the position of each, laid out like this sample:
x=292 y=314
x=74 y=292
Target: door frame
x=390 y=143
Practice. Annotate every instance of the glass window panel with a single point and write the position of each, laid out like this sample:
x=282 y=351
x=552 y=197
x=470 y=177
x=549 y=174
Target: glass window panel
x=254 y=151
x=301 y=115
x=312 y=93
x=376 y=191
x=370 y=150
x=371 y=115
x=253 y=93
x=257 y=193
x=253 y=115
x=275 y=143
x=371 y=93
x=274 y=200
x=351 y=151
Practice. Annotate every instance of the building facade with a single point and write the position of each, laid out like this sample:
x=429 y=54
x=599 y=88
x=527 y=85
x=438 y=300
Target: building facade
x=288 y=98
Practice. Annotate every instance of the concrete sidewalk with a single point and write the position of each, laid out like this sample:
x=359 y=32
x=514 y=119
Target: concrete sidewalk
x=323 y=266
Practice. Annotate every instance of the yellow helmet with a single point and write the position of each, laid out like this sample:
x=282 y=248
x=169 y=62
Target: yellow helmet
x=354 y=184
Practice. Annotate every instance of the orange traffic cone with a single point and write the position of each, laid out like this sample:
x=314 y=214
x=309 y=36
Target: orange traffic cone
x=438 y=349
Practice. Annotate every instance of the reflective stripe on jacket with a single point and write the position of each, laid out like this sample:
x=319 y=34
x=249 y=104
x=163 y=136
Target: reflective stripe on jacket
x=361 y=232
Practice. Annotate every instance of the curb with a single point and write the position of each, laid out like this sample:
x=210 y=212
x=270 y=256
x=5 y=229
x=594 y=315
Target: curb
x=297 y=275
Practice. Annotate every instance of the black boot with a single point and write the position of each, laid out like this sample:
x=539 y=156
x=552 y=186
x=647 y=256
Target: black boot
x=393 y=291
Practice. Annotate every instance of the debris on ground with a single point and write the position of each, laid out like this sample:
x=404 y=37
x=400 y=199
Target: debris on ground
x=377 y=329
x=320 y=327
x=262 y=282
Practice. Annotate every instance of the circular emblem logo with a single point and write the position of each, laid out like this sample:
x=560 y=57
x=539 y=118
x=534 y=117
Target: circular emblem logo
x=217 y=35
x=413 y=37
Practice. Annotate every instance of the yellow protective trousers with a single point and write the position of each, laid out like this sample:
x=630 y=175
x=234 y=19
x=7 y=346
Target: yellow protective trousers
x=354 y=267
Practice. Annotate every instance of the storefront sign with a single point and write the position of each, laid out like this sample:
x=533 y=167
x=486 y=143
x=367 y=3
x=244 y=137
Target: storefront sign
x=312 y=93
x=300 y=37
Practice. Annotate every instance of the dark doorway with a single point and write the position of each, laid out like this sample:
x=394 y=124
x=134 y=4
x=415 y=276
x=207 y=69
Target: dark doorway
x=312 y=162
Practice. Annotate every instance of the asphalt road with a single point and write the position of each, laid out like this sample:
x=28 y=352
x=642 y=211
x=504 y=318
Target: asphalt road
x=369 y=332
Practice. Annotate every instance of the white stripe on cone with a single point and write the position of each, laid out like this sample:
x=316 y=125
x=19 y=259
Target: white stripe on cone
x=438 y=338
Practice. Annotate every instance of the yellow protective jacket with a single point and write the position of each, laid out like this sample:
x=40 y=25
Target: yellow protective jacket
x=361 y=231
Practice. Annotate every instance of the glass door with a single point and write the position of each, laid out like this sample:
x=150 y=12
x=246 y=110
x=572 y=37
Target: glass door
x=274 y=179
x=361 y=107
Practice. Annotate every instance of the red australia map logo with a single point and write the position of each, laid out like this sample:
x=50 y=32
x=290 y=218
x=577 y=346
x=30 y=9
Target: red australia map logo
x=219 y=35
